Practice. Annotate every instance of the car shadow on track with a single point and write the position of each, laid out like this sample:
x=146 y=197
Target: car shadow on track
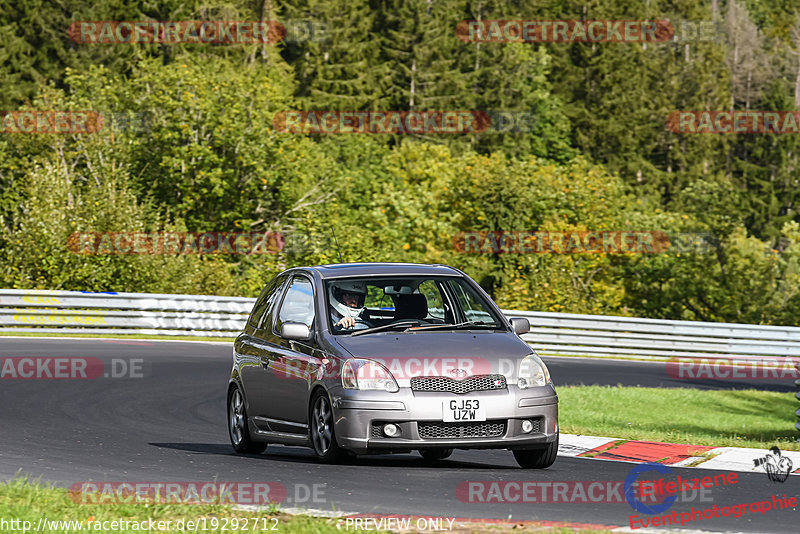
x=202 y=448
x=305 y=456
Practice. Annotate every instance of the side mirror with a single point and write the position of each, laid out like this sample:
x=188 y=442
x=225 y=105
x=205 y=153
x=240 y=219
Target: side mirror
x=520 y=325
x=295 y=331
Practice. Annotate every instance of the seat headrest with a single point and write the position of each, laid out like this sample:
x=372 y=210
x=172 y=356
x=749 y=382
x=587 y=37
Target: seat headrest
x=413 y=306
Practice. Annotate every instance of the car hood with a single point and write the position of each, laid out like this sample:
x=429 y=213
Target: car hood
x=440 y=353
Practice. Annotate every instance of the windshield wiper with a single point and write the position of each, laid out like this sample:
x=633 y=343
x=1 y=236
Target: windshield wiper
x=466 y=324
x=403 y=324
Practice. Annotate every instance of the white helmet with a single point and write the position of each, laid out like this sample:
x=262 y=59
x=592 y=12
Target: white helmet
x=338 y=289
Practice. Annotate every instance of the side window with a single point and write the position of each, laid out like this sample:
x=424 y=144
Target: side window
x=265 y=301
x=298 y=304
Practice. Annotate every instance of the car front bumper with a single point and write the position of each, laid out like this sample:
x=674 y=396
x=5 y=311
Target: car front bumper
x=360 y=416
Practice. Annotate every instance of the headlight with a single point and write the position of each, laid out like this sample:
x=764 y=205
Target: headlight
x=367 y=374
x=532 y=372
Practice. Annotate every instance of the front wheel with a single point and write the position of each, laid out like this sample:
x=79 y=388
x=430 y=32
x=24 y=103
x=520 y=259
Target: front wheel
x=238 y=430
x=321 y=432
x=537 y=458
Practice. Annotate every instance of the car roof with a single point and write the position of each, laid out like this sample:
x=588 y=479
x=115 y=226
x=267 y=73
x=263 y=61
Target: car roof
x=383 y=269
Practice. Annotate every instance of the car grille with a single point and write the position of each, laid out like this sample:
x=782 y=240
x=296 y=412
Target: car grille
x=450 y=385
x=483 y=429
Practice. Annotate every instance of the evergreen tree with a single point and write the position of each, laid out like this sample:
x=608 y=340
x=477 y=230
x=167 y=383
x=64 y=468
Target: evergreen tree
x=336 y=58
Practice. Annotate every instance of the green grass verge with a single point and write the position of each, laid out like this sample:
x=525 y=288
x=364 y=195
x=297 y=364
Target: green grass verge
x=23 y=500
x=117 y=336
x=742 y=418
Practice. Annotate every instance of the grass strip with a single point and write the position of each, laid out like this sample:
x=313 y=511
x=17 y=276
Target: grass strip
x=24 y=500
x=720 y=418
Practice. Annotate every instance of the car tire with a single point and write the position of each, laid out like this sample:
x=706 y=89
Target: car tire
x=537 y=458
x=321 y=432
x=432 y=455
x=238 y=430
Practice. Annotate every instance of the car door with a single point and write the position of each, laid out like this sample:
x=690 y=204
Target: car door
x=294 y=363
x=254 y=347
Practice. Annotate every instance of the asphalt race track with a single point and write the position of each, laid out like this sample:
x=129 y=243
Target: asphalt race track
x=590 y=371
x=170 y=425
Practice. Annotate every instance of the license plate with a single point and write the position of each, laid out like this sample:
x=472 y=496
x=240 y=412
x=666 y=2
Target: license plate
x=457 y=410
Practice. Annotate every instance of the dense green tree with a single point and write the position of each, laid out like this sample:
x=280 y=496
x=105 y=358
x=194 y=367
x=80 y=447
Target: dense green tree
x=593 y=153
x=335 y=56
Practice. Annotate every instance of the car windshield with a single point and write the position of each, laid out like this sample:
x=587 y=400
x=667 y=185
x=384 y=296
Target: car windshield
x=365 y=305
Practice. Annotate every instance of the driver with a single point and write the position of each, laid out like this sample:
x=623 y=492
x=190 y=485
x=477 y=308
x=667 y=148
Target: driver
x=347 y=302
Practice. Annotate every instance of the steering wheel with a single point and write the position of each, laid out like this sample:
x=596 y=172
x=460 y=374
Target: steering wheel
x=361 y=319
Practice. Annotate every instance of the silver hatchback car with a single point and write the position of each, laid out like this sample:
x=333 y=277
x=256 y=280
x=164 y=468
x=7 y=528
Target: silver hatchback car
x=388 y=357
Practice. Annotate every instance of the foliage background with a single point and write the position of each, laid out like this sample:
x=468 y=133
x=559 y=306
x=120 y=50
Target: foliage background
x=599 y=155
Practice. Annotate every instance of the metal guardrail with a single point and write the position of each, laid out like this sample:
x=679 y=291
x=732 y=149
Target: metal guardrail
x=122 y=313
x=551 y=333
x=601 y=335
